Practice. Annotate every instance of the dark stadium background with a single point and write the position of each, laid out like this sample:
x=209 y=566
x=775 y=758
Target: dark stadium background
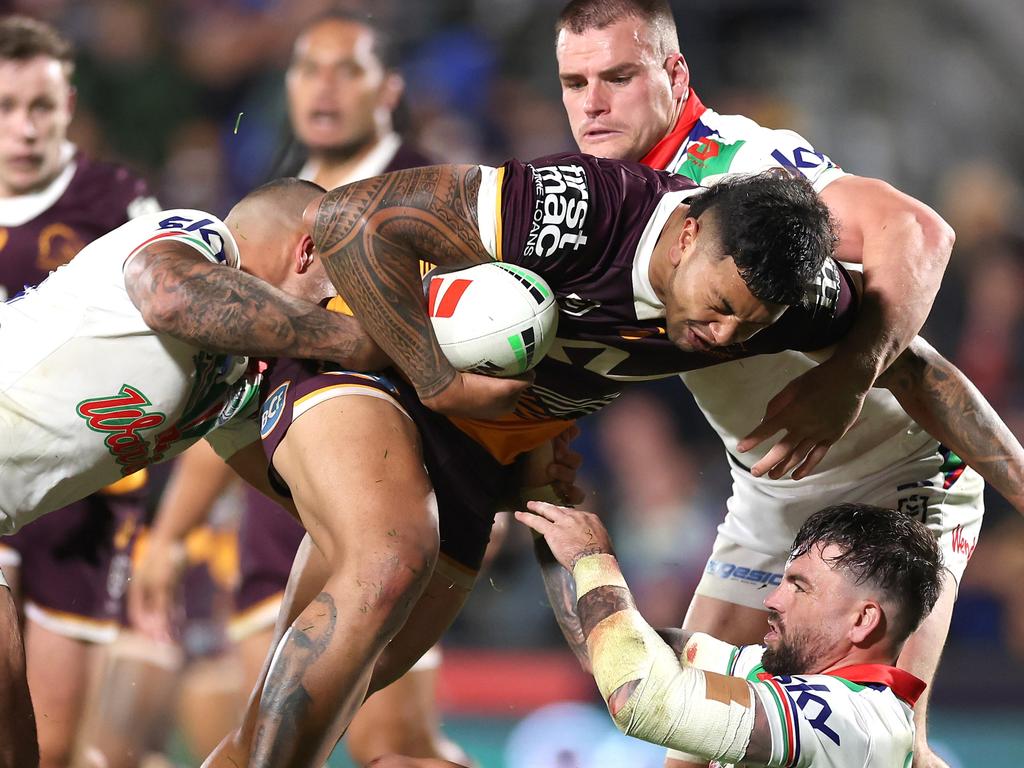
x=923 y=93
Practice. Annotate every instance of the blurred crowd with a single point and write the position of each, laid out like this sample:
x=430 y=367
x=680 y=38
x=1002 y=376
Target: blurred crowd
x=189 y=93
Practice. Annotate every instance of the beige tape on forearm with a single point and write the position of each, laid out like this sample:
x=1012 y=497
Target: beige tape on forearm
x=703 y=714
x=711 y=655
x=593 y=571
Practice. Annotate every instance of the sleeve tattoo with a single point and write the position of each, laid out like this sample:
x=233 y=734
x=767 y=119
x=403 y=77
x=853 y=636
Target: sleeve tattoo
x=938 y=395
x=372 y=235
x=226 y=311
x=561 y=591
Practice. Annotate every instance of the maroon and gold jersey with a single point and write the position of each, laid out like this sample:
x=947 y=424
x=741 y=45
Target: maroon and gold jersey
x=588 y=226
x=42 y=231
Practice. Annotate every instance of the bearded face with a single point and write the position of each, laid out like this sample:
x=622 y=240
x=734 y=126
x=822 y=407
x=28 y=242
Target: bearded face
x=793 y=652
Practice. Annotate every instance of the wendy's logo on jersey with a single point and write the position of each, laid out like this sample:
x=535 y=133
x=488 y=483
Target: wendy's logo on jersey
x=272 y=409
x=561 y=202
x=122 y=418
x=212 y=241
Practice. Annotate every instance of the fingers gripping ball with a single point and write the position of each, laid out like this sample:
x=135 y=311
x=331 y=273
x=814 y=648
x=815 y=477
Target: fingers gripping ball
x=496 y=319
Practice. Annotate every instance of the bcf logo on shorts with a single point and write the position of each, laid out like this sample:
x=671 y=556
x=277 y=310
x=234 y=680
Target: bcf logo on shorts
x=272 y=409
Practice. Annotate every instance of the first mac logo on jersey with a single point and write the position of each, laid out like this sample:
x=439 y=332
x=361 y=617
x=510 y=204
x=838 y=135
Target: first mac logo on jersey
x=560 y=209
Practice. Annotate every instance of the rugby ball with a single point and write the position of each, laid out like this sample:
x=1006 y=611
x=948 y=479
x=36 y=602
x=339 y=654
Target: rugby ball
x=495 y=318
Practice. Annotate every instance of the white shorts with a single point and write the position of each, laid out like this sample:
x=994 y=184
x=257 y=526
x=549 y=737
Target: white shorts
x=764 y=516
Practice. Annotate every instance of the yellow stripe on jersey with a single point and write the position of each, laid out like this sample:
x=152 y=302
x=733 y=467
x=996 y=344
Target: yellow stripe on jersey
x=510 y=436
x=497 y=215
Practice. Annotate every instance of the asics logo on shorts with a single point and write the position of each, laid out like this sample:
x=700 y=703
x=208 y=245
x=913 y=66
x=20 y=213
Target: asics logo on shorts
x=733 y=572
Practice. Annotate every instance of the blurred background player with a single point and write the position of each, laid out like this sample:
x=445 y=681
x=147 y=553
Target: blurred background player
x=343 y=89
x=626 y=91
x=69 y=569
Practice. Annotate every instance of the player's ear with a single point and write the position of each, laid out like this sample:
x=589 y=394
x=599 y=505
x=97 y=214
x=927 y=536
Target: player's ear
x=391 y=93
x=679 y=75
x=72 y=100
x=870 y=621
x=304 y=254
x=687 y=238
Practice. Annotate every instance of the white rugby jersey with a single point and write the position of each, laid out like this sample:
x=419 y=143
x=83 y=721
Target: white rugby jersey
x=855 y=717
x=706 y=147
x=89 y=393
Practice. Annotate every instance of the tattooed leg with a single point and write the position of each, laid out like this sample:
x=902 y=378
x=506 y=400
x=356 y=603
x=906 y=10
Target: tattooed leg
x=307 y=579
x=357 y=477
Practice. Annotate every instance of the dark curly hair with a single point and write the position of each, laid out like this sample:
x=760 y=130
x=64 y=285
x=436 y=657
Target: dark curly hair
x=883 y=548
x=776 y=229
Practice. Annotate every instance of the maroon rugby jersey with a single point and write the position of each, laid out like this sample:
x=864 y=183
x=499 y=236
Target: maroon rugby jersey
x=578 y=222
x=99 y=197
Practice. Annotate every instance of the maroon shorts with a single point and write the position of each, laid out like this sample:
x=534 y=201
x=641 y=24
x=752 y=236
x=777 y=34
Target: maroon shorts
x=74 y=564
x=470 y=485
x=268 y=538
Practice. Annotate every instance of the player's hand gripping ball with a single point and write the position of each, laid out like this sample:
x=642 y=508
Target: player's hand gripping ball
x=494 y=318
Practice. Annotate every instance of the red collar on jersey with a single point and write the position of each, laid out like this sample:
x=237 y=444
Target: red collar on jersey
x=902 y=683
x=661 y=154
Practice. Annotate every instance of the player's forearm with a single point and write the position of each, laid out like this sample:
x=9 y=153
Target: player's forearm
x=561 y=592
x=372 y=235
x=939 y=397
x=904 y=247
x=649 y=694
x=229 y=312
x=198 y=480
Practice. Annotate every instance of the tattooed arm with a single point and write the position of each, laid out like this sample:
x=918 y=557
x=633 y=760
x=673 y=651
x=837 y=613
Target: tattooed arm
x=939 y=397
x=371 y=236
x=561 y=592
x=181 y=294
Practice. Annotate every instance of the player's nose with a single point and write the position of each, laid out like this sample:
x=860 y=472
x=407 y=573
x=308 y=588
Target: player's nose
x=595 y=102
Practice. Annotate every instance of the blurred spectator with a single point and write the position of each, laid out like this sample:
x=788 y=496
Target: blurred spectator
x=661 y=519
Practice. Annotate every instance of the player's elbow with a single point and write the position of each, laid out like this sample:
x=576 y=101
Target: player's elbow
x=928 y=228
x=162 y=314
x=936 y=233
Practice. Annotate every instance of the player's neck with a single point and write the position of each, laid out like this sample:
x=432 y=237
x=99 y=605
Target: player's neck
x=856 y=656
x=334 y=166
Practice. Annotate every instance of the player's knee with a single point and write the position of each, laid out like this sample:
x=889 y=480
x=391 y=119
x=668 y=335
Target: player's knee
x=390 y=583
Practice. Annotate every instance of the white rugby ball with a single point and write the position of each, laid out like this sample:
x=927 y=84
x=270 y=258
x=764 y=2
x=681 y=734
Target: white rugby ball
x=495 y=318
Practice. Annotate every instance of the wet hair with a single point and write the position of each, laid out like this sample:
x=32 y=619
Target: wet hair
x=23 y=38
x=884 y=549
x=776 y=229
x=580 y=16
x=385 y=48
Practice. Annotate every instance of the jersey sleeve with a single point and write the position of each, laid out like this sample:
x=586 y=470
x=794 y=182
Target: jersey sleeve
x=229 y=438
x=199 y=230
x=539 y=215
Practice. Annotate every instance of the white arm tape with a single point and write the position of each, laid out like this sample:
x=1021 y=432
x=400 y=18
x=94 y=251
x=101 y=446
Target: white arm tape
x=703 y=714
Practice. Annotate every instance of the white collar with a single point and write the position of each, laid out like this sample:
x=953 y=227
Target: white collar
x=373 y=164
x=645 y=301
